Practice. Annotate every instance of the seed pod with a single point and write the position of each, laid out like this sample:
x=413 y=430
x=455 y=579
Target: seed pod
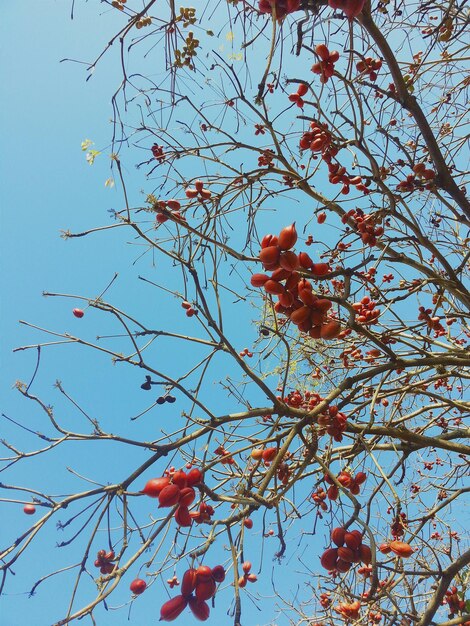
x=194 y=477
x=138 y=586
x=258 y=280
x=205 y=589
x=204 y=573
x=269 y=240
x=179 y=478
x=269 y=454
x=287 y=237
x=199 y=608
x=346 y=554
x=319 y=269
x=218 y=572
x=173 y=608
x=360 y=478
x=155 y=485
x=169 y=496
x=300 y=315
x=337 y=536
x=187 y=496
x=304 y=260
x=246 y=566
x=188 y=584
x=400 y=548
x=273 y=287
x=343 y=566
x=330 y=330
x=289 y=261
x=182 y=516
x=322 y=51
x=353 y=539
x=329 y=558
x=270 y=255
x=365 y=554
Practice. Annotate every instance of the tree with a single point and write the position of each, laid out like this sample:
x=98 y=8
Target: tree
x=304 y=196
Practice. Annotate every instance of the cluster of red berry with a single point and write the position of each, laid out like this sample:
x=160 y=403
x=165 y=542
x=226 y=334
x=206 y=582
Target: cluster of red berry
x=366 y=311
x=349 y=550
x=366 y=225
x=158 y=153
x=247 y=577
x=198 y=191
x=422 y=178
x=296 y=299
x=104 y=560
x=326 y=66
x=346 y=480
x=177 y=488
x=333 y=422
x=197 y=586
x=370 y=66
x=164 y=206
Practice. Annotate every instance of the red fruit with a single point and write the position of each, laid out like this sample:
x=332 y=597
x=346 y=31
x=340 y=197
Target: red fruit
x=346 y=554
x=304 y=260
x=204 y=573
x=246 y=566
x=315 y=334
x=173 y=608
x=269 y=454
x=342 y=566
x=187 y=496
x=353 y=539
x=273 y=287
x=289 y=261
x=179 y=478
x=270 y=255
x=360 y=478
x=365 y=554
x=269 y=240
x=300 y=315
x=218 y=573
x=199 y=609
x=319 y=269
x=182 y=516
x=194 y=477
x=199 y=185
x=332 y=492
x=155 y=485
x=78 y=313
x=169 y=496
x=401 y=548
x=385 y=548
x=248 y=523
x=329 y=558
x=321 y=217
x=191 y=193
x=258 y=280
x=257 y=454
x=287 y=237
x=242 y=581
x=351 y=8
x=29 y=509
x=344 y=478
x=330 y=330
x=188 y=584
x=138 y=586
x=337 y=536
x=173 y=205
x=205 y=589
x=307 y=297
x=252 y=578
x=322 y=51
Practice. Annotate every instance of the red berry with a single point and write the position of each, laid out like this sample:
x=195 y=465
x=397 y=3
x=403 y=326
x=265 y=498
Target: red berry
x=29 y=509
x=78 y=313
x=138 y=586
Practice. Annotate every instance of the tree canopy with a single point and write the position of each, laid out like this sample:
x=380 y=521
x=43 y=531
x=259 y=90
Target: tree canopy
x=294 y=340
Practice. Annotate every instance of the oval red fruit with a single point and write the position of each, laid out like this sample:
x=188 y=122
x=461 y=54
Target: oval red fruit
x=205 y=589
x=187 y=496
x=258 y=280
x=199 y=608
x=138 y=586
x=218 y=573
x=182 y=516
x=337 y=536
x=29 y=509
x=270 y=255
x=179 y=478
x=400 y=548
x=365 y=554
x=329 y=558
x=188 y=584
x=287 y=237
x=194 y=477
x=330 y=330
x=155 y=485
x=353 y=540
x=204 y=573
x=78 y=313
x=173 y=609
x=169 y=496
